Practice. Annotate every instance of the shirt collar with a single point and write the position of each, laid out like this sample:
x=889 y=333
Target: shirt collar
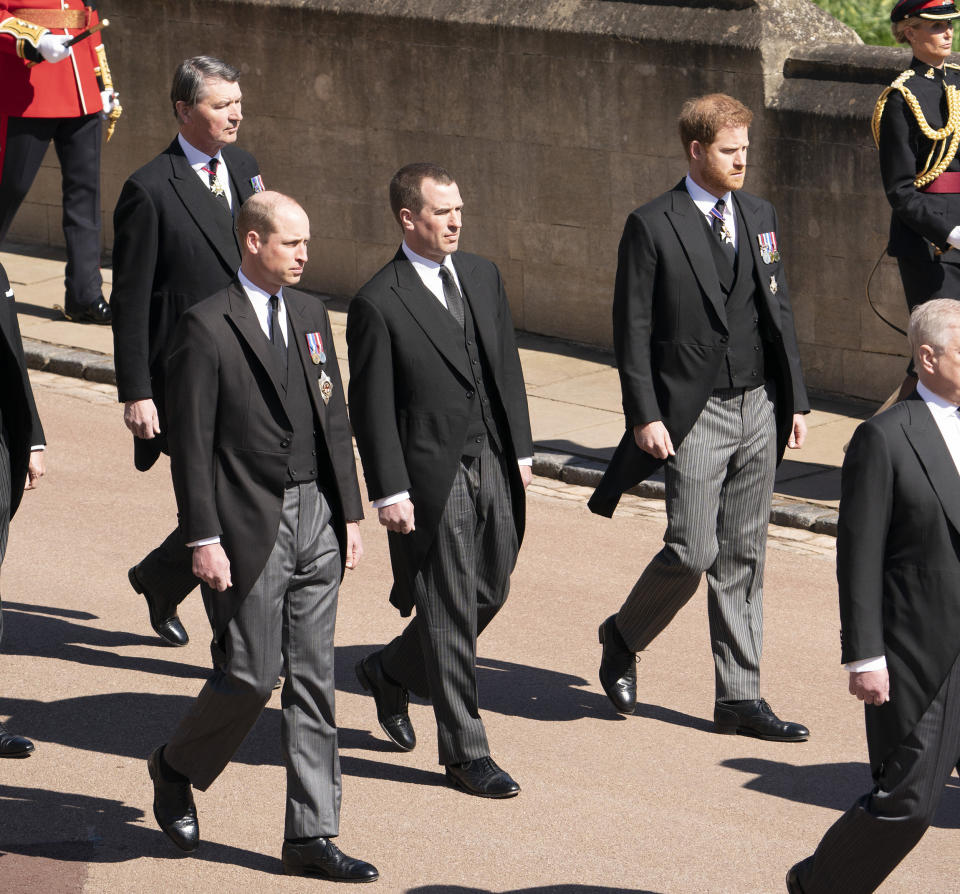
x=705 y=200
x=195 y=158
x=255 y=293
x=939 y=407
x=426 y=263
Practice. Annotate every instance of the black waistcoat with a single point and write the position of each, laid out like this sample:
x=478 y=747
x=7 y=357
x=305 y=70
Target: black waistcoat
x=743 y=367
x=302 y=465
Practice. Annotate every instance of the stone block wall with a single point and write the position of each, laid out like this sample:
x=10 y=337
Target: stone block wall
x=556 y=118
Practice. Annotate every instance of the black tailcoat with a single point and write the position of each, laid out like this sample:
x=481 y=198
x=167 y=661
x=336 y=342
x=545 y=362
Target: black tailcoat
x=670 y=327
x=16 y=397
x=411 y=390
x=174 y=245
x=230 y=436
x=898 y=563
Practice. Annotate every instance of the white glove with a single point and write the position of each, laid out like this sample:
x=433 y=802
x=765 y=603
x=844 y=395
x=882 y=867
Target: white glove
x=110 y=100
x=51 y=47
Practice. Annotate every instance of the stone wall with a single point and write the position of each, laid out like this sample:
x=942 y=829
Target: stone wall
x=556 y=117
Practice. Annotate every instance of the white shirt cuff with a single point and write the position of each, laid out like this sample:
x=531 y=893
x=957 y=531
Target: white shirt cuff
x=389 y=501
x=954 y=237
x=37 y=447
x=866 y=664
x=206 y=541
x=525 y=461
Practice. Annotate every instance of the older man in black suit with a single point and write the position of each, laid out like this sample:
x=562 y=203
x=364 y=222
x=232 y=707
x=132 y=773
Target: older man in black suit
x=21 y=450
x=898 y=569
x=269 y=504
x=439 y=410
x=175 y=245
x=712 y=390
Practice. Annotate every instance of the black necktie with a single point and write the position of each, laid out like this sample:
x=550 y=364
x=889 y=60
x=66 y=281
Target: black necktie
x=722 y=233
x=215 y=187
x=452 y=295
x=276 y=335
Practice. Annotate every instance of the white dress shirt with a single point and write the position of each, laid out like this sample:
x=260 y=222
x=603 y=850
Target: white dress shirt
x=705 y=202
x=429 y=273
x=945 y=414
x=260 y=300
x=198 y=161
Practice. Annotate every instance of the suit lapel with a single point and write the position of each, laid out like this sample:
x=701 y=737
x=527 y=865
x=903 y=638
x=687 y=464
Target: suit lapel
x=482 y=304
x=209 y=217
x=243 y=317
x=749 y=229
x=241 y=186
x=928 y=444
x=684 y=217
x=296 y=335
x=436 y=321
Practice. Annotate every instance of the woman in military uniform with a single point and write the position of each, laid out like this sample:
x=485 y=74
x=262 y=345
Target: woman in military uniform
x=916 y=125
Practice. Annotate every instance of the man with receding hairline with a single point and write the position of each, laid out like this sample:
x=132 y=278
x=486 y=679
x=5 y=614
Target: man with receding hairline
x=439 y=410
x=712 y=391
x=267 y=493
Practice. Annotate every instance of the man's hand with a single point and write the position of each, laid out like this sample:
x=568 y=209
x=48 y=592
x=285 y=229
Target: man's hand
x=526 y=475
x=398 y=517
x=871 y=687
x=354 y=545
x=799 y=433
x=140 y=416
x=211 y=565
x=51 y=47
x=653 y=438
x=35 y=469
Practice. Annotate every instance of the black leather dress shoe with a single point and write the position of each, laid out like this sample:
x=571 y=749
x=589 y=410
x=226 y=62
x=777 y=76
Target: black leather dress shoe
x=793 y=880
x=98 y=312
x=163 y=618
x=754 y=717
x=173 y=806
x=483 y=777
x=13 y=746
x=321 y=858
x=618 y=668
x=391 y=700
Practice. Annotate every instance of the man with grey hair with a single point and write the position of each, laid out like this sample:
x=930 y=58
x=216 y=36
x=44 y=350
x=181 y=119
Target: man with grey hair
x=174 y=245
x=898 y=564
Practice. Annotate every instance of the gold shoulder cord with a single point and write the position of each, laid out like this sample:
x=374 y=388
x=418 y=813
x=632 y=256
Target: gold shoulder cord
x=944 y=150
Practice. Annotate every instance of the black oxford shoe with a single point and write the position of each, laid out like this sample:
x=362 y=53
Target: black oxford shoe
x=98 y=312
x=754 y=717
x=391 y=700
x=163 y=619
x=173 y=806
x=13 y=746
x=618 y=668
x=482 y=777
x=321 y=858
x=793 y=880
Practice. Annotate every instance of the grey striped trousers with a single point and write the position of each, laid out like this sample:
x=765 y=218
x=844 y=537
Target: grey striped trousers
x=718 y=491
x=286 y=622
x=462 y=585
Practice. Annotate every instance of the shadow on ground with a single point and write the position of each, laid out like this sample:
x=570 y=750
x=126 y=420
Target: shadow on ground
x=545 y=889
x=834 y=786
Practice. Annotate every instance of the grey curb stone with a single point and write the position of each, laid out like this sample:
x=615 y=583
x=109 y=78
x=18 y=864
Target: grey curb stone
x=588 y=472
x=72 y=362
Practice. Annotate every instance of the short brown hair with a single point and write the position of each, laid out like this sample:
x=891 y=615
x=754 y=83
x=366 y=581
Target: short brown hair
x=405 y=185
x=702 y=117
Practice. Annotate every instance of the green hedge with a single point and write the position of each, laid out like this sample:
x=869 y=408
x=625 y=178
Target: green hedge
x=869 y=18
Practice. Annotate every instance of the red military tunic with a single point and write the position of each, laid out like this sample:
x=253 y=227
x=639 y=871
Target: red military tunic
x=67 y=89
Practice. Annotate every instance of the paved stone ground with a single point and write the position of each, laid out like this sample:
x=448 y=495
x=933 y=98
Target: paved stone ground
x=654 y=803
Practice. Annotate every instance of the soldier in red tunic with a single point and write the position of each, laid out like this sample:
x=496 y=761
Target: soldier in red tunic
x=63 y=96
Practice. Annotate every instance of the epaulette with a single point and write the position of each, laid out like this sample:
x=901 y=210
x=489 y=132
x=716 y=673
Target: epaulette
x=901 y=79
x=21 y=32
